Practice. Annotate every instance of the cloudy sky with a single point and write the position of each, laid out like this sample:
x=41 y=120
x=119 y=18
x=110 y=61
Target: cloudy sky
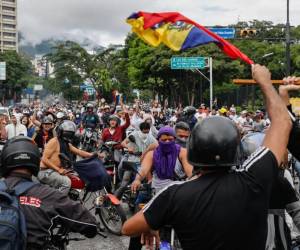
x=103 y=21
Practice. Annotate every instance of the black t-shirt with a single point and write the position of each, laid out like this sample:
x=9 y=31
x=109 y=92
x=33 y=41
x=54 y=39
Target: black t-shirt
x=221 y=210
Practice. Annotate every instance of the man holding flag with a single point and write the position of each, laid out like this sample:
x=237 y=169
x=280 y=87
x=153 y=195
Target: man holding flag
x=221 y=208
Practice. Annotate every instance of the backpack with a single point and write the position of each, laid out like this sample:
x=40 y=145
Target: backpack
x=13 y=232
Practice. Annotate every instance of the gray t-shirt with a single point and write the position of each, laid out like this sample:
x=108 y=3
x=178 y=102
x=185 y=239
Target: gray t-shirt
x=141 y=144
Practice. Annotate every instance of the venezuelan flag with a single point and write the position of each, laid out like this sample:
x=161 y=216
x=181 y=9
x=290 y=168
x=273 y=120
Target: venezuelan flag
x=178 y=33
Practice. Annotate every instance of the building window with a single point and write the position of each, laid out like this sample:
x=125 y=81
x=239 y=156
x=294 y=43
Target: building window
x=8 y=8
x=9 y=43
x=9 y=26
x=9 y=17
x=9 y=34
x=10 y=1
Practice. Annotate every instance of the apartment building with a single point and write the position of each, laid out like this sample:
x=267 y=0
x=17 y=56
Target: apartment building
x=8 y=25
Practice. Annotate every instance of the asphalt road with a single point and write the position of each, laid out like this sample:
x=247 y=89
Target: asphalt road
x=112 y=242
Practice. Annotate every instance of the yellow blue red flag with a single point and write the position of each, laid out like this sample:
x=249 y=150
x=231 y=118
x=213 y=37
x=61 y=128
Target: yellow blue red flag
x=178 y=33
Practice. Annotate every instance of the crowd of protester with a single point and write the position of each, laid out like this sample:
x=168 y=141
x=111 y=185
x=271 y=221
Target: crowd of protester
x=171 y=144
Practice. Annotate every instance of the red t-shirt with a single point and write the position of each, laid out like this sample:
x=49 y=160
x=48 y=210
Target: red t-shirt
x=117 y=136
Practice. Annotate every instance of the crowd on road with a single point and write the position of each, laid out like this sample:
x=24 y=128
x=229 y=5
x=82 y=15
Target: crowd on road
x=194 y=178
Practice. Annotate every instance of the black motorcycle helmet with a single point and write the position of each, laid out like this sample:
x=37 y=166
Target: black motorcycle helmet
x=189 y=110
x=213 y=144
x=47 y=120
x=66 y=131
x=20 y=151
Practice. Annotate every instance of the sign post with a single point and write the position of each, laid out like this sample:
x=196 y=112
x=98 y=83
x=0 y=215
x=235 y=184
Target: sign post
x=188 y=62
x=196 y=63
x=226 y=33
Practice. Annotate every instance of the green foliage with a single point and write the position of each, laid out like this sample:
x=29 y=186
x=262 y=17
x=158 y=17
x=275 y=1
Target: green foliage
x=18 y=72
x=149 y=68
x=139 y=66
x=74 y=65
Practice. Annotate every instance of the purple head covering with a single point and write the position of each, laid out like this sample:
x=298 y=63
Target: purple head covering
x=166 y=131
x=165 y=155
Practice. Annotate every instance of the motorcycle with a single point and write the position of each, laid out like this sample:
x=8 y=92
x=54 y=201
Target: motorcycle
x=109 y=160
x=143 y=195
x=126 y=175
x=59 y=236
x=89 y=141
x=104 y=204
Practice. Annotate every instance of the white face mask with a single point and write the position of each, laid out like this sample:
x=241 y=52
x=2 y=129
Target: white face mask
x=143 y=136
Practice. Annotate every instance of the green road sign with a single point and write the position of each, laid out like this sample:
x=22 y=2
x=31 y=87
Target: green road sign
x=188 y=62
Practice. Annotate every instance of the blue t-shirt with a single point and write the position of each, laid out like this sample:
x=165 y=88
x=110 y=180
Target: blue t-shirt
x=30 y=131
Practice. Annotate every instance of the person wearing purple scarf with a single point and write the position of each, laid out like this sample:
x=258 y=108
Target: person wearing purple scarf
x=165 y=161
x=166 y=154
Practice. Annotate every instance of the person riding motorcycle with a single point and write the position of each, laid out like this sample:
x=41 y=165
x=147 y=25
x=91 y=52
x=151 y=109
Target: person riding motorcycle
x=60 y=117
x=137 y=144
x=78 y=118
x=41 y=205
x=188 y=116
x=52 y=172
x=116 y=133
x=90 y=123
x=168 y=162
x=90 y=119
x=182 y=131
x=44 y=134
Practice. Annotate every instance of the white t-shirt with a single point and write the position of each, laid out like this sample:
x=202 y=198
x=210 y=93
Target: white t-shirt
x=15 y=130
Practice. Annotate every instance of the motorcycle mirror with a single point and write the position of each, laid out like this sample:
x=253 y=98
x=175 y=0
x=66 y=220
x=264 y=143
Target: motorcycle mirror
x=131 y=138
x=111 y=143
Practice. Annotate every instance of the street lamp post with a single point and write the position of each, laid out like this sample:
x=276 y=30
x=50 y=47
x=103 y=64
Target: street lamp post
x=288 y=40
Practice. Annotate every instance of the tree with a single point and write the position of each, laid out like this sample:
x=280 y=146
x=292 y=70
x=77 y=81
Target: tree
x=18 y=71
x=149 y=68
x=74 y=65
x=139 y=66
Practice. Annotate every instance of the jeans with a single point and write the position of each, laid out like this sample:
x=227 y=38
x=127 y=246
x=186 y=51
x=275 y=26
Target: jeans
x=55 y=180
x=126 y=178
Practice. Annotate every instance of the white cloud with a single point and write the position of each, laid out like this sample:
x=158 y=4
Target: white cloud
x=103 y=21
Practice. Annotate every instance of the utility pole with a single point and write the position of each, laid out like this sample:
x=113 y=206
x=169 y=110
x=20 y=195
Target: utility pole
x=288 y=40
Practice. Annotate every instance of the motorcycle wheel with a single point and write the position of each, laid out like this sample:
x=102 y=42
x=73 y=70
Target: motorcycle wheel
x=112 y=217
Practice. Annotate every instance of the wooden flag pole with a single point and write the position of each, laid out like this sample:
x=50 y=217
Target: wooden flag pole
x=251 y=82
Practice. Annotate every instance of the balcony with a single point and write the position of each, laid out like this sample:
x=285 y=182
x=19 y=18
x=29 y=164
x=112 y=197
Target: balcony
x=8 y=29
x=9 y=3
x=9 y=44
x=8 y=12
x=9 y=39
x=9 y=21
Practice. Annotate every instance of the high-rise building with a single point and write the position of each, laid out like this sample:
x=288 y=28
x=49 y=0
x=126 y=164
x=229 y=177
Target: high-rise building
x=8 y=25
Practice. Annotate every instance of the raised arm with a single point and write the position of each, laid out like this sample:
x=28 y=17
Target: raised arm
x=34 y=120
x=293 y=145
x=276 y=138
